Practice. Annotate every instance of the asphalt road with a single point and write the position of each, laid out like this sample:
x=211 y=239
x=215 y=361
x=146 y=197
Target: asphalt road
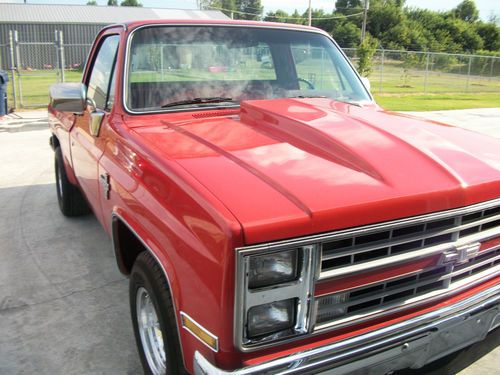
x=63 y=303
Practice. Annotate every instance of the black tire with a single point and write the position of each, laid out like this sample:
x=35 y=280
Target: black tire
x=147 y=274
x=70 y=199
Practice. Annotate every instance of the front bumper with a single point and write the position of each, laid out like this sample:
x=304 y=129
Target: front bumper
x=408 y=344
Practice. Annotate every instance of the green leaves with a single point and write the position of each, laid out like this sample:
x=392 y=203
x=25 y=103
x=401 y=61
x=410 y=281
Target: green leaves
x=365 y=53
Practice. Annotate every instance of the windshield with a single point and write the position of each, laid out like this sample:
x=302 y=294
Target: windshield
x=184 y=67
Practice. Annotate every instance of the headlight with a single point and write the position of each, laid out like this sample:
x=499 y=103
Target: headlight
x=272 y=269
x=271 y=317
x=274 y=293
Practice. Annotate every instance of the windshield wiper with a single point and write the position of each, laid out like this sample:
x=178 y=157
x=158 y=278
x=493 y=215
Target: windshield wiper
x=306 y=96
x=357 y=104
x=214 y=99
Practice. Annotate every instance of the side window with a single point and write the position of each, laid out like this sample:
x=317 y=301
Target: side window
x=100 y=82
x=111 y=93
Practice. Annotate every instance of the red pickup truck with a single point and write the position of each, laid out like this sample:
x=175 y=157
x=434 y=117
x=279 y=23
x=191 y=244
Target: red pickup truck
x=271 y=217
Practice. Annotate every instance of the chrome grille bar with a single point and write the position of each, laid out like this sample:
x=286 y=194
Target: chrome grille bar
x=357 y=304
x=352 y=250
x=343 y=256
x=452 y=238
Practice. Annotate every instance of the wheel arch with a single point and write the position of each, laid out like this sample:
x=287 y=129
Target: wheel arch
x=127 y=244
x=54 y=142
x=121 y=230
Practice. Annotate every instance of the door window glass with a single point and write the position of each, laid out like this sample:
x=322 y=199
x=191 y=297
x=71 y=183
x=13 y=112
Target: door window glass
x=102 y=71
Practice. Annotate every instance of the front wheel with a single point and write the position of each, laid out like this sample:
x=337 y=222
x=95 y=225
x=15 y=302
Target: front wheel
x=153 y=318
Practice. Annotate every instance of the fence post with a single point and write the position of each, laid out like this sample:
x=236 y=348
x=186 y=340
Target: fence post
x=18 y=63
x=61 y=55
x=381 y=71
x=426 y=76
x=491 y=67
x=468 y=75
x=12 y=67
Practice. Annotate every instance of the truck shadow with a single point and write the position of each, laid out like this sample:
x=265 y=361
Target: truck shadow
x=456 y=362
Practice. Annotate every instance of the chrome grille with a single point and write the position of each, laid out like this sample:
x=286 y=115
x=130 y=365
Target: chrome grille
x=359 y=303
x=438 y=236
x=399 y=243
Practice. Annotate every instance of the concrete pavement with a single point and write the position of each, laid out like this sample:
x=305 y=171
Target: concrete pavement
x=482 y=120
x=63 y=303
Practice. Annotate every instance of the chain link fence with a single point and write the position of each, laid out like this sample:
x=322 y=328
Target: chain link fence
x=407 y=72
x=34 y=66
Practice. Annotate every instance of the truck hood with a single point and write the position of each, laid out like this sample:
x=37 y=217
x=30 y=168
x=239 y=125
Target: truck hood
x=289 y=167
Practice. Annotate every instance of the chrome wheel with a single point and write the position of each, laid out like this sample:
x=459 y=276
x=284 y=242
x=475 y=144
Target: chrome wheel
x=150 y=332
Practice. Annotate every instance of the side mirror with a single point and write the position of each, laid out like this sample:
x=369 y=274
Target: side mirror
x=366 y=83
x=68 y=97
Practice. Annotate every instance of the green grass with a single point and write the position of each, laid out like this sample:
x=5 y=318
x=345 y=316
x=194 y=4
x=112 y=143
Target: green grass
x=393 y=78
x=434 y=102
x=34 y=86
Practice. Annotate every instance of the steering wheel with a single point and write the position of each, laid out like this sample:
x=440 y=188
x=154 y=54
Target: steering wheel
x=308 y=83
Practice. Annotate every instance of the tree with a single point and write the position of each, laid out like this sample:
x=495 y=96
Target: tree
x=466 y=11
x=463 y=34
x=346 y=34
x=228 y=7
x=383 y=16
x=317 y=21
x=365 y=53
x=113 y=3
x=250 y=9
x=278 y=16
x=92 y=2
x=396 y=26
x=130 y=3
x=490 y=34
x=349 y=6
x=410 y=61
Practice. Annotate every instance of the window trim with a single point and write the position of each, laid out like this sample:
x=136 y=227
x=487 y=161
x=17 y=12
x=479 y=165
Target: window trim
x=90 y=70
x=126 y=60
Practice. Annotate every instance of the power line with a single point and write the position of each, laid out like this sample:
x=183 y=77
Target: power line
x=286 y=17
x=320 y=18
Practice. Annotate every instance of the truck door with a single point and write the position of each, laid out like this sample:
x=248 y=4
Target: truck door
x=86 y=146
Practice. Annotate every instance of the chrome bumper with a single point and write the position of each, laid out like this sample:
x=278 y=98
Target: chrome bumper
x=408 y=344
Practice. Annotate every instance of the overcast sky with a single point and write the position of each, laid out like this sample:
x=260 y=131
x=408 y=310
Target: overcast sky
x=486 y=7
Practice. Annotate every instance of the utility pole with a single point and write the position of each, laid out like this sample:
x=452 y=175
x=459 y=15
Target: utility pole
x=310 y=12
x=365 y=15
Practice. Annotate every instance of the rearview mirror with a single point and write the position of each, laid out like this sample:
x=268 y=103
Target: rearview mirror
x=68 y=97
